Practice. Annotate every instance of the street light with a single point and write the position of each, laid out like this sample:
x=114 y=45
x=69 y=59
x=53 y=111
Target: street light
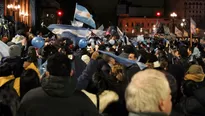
x=182 y=24
x=173 y=15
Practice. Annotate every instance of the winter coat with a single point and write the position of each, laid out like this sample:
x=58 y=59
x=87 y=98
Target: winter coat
x=29 y=79
x=86 y=75
x=57 y=97
x=15 y=63
x=193 y=104
x=9 y=99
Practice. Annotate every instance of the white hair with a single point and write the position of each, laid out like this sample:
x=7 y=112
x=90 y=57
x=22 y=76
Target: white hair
x=146 y=90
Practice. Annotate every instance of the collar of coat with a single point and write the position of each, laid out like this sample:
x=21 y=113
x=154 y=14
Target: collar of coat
x=33 y=67
x=195 y=77
x=5 y=79
x=148 y=114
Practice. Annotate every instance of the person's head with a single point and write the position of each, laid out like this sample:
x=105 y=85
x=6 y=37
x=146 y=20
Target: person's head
x=109 y=59
x=132 y=56
x=190 y=51
x=14 y=50
x=183 y=51
x=175 y=52
x=59 y=65
x=149 y=91
x=117 y=72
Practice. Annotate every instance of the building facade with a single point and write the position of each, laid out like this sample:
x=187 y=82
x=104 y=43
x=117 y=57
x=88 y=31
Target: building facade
x=18 y=10
x=196 y=10
x=136 y=25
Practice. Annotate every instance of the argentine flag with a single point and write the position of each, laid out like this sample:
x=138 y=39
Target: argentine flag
x=83 y=15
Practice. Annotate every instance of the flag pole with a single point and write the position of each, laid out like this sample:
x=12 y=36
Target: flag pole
x=190 y=40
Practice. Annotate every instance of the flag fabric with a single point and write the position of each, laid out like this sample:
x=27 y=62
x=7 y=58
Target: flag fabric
x=123 y=37
x=76 y=23
x=101 y=28
x=166 y=30
x=83 y=15
x=4 y=50
x=186 y=34
x=124 y=61
x=60 y=28
x=178 y=32
x=192 y=26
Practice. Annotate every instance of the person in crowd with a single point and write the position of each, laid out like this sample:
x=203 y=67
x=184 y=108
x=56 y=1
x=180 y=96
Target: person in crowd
x=148 y=94
x=30 y=78
x=14 y=60
x=193 y=88
x=9 y=99
x=57 y=94
x=132 y=56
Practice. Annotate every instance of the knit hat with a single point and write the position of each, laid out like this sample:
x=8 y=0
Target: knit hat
x=195 y=73
x=59 y=65
x=85 y=58
x=14 y=50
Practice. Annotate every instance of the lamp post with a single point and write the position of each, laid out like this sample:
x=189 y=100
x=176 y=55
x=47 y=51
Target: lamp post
x=183 y=24
x=173 y=15
x=14 y=8
x=24 y=14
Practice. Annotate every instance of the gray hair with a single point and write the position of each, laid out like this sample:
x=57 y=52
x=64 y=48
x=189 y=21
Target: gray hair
x=146 y=90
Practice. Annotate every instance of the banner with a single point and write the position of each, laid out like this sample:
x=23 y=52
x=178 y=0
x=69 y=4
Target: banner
x=178 y=32
x=186 y=34
x=192 y=26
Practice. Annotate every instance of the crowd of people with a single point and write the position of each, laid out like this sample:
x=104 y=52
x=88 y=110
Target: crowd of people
x=113 y=77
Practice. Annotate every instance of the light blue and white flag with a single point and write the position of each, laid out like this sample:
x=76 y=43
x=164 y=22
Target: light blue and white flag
x=83 y=15
x=76 y=23
x=4 y=50
x=192 y=26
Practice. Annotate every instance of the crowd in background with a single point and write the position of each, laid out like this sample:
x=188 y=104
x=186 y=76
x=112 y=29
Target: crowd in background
x=153 y=77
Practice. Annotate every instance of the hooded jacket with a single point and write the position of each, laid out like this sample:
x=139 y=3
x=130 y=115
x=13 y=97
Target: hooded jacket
x=9 y=99
x=29 y=79
x=59 y=98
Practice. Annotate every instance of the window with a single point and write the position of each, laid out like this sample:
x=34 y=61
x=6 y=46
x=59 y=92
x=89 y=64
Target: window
x=148 y=24
x=142 y=24
x=196 y=11
x=132 y=24
x=193 y=11
x=127 y=24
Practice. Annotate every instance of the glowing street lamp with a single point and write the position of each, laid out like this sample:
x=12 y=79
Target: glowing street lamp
x=173 y=15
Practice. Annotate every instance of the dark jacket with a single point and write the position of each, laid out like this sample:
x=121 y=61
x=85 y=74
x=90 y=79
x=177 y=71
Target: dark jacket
x=57 y=97
x=147 y=114
x=29 y=79
x=194 y=104
x=86 y=75
x=15 y=63
x=9 y=99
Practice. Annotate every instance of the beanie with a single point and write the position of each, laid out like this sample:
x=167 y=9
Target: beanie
x=14 y=50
